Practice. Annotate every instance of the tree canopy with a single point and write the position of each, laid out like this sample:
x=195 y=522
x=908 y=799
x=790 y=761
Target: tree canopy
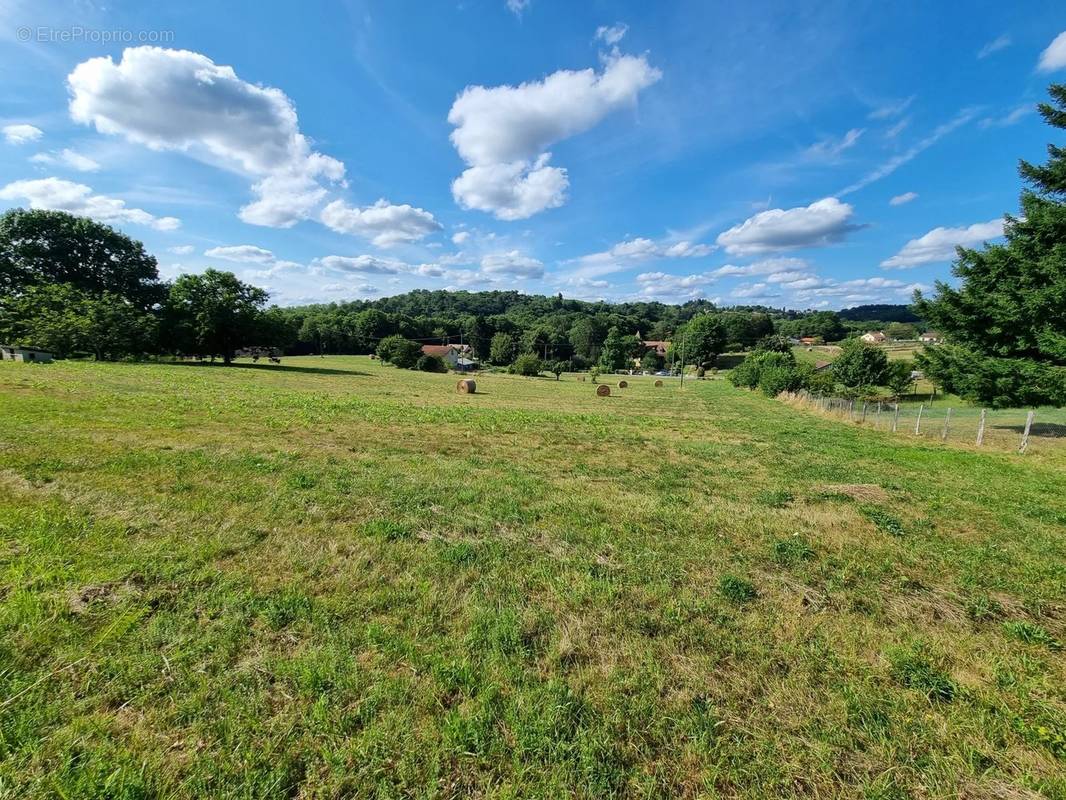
x=53 y=247
x=214 y=313
x=1006 y=321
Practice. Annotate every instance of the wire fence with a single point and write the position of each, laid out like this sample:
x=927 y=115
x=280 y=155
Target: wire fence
x=1014 y=429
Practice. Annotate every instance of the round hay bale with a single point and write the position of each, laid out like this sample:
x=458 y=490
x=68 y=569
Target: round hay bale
x=603 y=390
x=466 y=386
x=658 y=383
x=623 y=384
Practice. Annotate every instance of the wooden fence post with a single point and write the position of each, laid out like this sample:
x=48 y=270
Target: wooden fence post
x=864 y=406
x=981 y=428
x=1025 y=433
x=895 y=419
x=918 y=423
x=947 y=421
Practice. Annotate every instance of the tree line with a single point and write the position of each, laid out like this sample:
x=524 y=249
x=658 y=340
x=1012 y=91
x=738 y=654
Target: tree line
x=75 y=286
x=78 y=287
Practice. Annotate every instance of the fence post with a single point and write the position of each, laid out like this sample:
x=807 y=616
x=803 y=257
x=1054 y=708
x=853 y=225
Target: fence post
x=1025 y=433
x=918 y=423
x=864 y=406
x=947 y=421
x=981 y=428
x=895 y=419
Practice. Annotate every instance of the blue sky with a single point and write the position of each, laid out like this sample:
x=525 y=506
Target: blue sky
x=744 y=152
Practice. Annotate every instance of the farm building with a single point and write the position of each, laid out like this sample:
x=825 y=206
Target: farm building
x=930 y=337
x=456 y=356
x=659 y=347
x=874 y=337
x=12 y=353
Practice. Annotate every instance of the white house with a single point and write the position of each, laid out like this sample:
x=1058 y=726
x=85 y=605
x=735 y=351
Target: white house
x=930 y=337
x=874 y=337
x=13 y=353
x=452 y=354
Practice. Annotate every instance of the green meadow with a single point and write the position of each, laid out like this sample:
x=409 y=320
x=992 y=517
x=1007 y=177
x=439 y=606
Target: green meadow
x=334 y=578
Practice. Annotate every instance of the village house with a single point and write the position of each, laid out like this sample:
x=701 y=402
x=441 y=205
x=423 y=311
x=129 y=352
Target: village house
x=455 y=356
x=874 y=337
x=13 y=353
x=660 y=348
x=930 y=337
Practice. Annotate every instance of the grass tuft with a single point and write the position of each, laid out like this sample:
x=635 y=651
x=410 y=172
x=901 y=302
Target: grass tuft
x=737 y=590
x=916 y=667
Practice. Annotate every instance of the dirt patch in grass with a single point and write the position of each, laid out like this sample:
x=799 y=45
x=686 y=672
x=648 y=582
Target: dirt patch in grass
x=862 y=492
x=82 y=600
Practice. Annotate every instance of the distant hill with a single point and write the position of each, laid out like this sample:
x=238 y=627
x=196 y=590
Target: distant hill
x=881 y=312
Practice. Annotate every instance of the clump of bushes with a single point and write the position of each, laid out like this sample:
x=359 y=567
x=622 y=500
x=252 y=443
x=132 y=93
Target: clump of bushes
x=430 y=364
x=527 y=364
x=772 y=372
x=399 y=352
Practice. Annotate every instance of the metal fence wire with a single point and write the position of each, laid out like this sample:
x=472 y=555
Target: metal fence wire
x=1001 y=429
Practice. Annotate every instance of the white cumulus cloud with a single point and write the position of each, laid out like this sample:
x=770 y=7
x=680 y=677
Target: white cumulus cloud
x=21 y=133
x=77 y=198
x=630 y=252
x=364 y=265
x=766 y=266
x=382 y=223
x=940 y=243
x=822 y=222
x=181 y=100
x=503 y=132
x=512 y=263
x=1054 y=56
x=241 y=253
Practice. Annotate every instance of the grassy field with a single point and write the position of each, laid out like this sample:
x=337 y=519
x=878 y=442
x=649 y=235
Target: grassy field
x=337 y=579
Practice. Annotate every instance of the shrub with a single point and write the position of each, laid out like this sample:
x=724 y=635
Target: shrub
x=775 y=378
x=745 y=374
x=527 y=364
x=770 y=371
x=860 y=365
x=818 y=382
x=399 y=351
x=430 y=364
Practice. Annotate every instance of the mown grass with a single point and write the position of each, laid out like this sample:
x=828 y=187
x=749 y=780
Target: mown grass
x=337 y=579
